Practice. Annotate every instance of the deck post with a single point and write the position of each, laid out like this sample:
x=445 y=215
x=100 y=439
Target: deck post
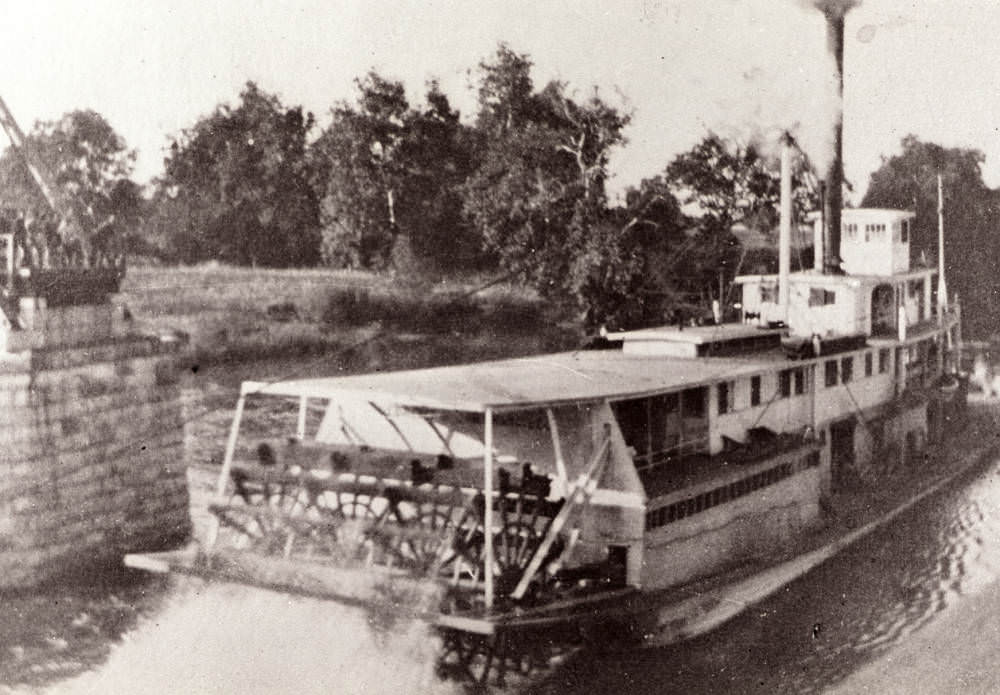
x=300 y=430
x=557 y=447
x=227 y=460
x=488 y=507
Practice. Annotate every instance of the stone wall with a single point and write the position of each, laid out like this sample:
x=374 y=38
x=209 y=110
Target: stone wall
x=91 y=442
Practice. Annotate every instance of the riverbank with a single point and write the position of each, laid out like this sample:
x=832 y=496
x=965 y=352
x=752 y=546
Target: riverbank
x=233 y=315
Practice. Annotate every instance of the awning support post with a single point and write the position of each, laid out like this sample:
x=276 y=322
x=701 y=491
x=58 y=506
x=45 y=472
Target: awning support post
x=227 y=460
x=557 y=447
x=488 y=506
x=300 y=430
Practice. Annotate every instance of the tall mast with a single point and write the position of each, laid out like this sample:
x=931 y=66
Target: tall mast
x=942 y=287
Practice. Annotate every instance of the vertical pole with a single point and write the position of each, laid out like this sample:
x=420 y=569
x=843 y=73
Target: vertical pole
x=785 y=226
x=942 y=286
x=819 y=230
x=557 y=447
x=488 y=507
x=227 y=461
x=8 y=242
x=300 y=430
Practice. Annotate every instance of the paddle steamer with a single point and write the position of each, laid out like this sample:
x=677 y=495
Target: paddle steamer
x=513 y=501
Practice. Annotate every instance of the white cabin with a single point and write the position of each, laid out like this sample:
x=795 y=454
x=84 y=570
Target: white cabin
x=879 y=295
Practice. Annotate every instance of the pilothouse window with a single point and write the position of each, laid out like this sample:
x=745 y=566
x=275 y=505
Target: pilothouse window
x=820 y=297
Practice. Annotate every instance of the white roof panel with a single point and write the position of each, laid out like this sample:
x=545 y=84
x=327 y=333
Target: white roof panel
x=582 y=376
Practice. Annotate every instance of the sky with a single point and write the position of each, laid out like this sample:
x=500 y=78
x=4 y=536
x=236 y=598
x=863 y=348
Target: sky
x=747 y=69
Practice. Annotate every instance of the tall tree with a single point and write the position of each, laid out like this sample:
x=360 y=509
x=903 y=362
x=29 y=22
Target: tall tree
x=361 y=174
x=90 y=165
x=633 y=284
x=238 y=185
x=438 y=155
x=388 y=176
x=909 y=181
x=726 y=183
x=538 y=196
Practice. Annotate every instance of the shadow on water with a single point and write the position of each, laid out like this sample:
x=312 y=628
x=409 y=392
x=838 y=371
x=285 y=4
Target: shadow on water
x=56 y=632
x=822 y=628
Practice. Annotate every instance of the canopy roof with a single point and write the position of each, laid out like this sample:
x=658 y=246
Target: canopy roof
x=529 y=382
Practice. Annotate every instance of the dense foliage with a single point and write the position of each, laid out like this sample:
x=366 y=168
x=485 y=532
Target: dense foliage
x=517 y=189
x=236 y=187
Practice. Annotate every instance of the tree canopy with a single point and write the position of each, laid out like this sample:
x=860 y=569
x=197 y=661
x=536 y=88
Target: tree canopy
x=388 y=175
x=518 y=187
x=236 y=186
x=538 y=197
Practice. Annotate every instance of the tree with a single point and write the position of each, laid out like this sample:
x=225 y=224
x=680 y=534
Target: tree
x=909 y=181
x=89 y=165
x=361 y=172
x=729 y=182
x=538 y=197
x=388 y=175
x=237 y=186
x=632 y=284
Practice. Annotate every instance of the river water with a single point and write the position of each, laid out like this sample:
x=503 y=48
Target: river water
x=915 y=607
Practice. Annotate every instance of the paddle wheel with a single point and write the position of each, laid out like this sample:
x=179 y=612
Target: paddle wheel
x=433 y=532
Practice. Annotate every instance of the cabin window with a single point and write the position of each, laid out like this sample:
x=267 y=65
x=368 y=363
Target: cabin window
x=868 y=364
x=883 y=360
x=785 y=383
x=725 y=392
x=904 y=231
x=820 y=297
x=847 y=369
x=800 y=382
x=754 y=390
x=769 y=292
x=831 y=372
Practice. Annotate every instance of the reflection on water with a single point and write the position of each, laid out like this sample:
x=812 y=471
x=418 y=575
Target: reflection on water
x=198 y=637
x=226 y=638
x=826 y=625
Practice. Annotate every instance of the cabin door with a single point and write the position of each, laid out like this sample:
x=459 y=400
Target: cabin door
x=841 y=451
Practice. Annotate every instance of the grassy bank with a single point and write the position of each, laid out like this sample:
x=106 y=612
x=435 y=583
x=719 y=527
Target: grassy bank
x=374 y=321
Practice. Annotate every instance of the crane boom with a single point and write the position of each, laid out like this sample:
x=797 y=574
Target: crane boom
x=20 y=144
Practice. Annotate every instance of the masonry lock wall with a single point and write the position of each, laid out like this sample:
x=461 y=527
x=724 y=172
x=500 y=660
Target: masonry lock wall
x=91 y=443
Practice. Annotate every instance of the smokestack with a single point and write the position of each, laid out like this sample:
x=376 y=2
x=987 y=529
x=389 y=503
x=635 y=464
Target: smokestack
x=834 y=13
